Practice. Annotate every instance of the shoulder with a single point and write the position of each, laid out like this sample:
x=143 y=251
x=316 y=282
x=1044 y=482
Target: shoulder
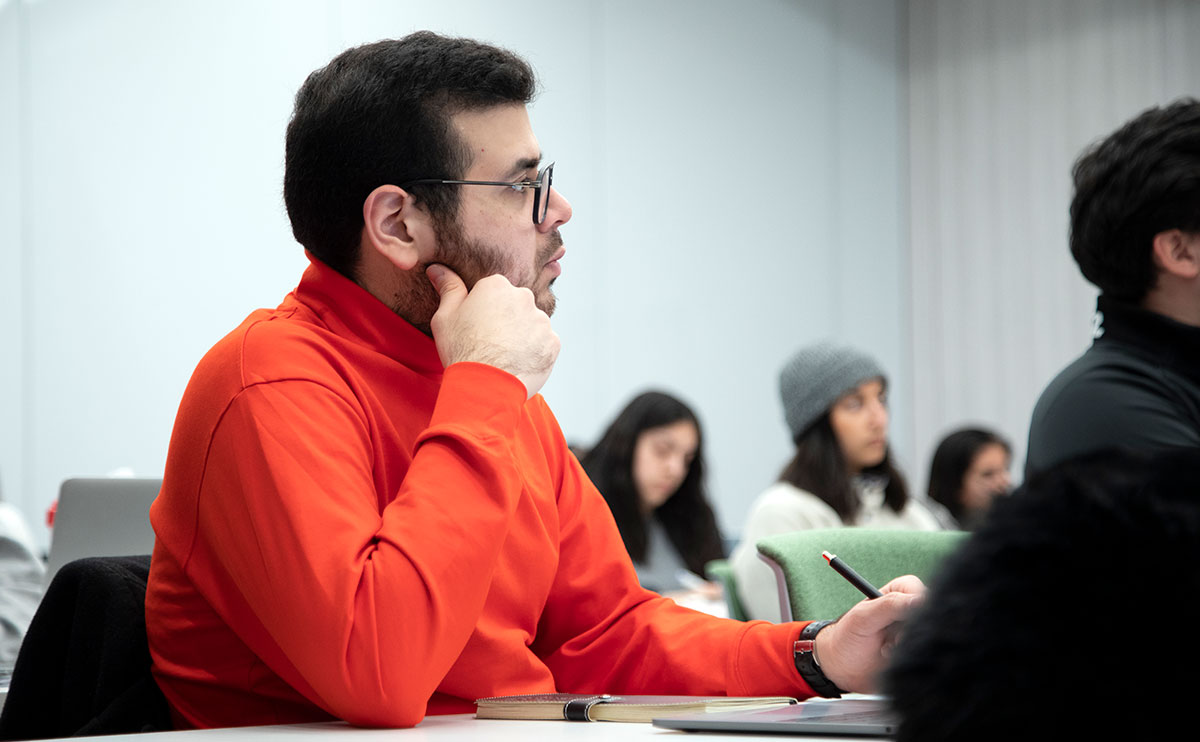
x=785 y=507
x=785 y=495
x=938 y=512
x=273 y=366
x=1109 y=397
x=282 y=344
x=919 y=514
x=266 y=341
x=1110 y=375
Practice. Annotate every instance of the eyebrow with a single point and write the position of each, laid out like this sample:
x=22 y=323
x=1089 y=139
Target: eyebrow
x=524 y=164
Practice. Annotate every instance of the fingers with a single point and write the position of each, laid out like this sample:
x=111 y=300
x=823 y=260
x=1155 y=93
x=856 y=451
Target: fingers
x=905 y=584
x=859 y=643
x=870 y=616
x=447 y=283
x=495 y=323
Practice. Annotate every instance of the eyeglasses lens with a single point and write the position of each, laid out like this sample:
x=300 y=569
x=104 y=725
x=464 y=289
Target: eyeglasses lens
x=542 y=197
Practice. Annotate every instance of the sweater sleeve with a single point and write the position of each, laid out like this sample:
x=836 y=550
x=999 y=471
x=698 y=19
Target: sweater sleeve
x=359 y=606
x=601 y=632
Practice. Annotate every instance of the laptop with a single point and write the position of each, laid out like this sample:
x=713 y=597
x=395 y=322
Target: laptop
x=101 y=517
x=866 y=716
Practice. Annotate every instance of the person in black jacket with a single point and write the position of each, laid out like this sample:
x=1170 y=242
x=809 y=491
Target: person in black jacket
x=1135 y=233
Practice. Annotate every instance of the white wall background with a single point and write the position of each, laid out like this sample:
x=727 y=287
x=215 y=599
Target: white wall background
x=712 y=152
x=1003 y=96
x=745 y=178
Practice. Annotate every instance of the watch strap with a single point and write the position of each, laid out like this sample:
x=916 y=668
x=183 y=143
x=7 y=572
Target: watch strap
x=806 y=662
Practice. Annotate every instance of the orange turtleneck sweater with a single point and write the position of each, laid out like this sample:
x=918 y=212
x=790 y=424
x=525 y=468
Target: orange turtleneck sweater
x=347 y=530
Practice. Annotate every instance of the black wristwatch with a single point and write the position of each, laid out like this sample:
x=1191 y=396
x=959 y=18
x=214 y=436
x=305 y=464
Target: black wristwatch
x=806 y=662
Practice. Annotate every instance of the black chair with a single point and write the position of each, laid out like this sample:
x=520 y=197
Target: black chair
x=84 y=667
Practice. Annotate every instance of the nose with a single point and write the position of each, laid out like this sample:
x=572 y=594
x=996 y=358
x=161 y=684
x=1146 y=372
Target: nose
x=558 y=212
x=1005 y=481
x=879 y=416
x=677 y=467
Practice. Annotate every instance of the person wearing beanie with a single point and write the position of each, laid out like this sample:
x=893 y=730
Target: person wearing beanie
x=835 y=403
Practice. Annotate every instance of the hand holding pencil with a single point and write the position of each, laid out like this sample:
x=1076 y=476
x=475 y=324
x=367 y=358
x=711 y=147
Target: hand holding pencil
x=856 y=647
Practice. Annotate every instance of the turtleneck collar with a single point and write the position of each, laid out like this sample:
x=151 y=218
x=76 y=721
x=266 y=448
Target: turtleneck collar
x=351 y=311
x=1165 y=342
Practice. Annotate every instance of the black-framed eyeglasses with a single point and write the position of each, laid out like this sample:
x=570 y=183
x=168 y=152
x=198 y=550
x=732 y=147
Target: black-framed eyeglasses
x=540 y=186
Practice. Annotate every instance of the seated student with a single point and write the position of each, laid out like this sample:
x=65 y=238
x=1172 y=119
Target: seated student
x=969 y=469
x=835 y=402
x=21 y=573
x=649 y=465
x=368 y=510
x=1010 y=643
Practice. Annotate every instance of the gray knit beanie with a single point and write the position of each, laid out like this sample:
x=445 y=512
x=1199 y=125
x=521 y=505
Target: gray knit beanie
x=816 y=376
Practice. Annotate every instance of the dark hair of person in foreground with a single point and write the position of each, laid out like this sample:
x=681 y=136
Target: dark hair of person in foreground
x=1070 y=614
x=686 y=517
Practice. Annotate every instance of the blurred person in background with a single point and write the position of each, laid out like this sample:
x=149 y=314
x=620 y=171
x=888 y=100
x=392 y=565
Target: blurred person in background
x=970 y=468
x=21 y=573
x=835 y=402
x=649 y=465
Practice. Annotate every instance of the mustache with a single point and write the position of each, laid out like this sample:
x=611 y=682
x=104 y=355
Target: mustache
x=552 y=246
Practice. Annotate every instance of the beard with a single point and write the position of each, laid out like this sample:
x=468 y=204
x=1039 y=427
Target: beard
x=416 y=300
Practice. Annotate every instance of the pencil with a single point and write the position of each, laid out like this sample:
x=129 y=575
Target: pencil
x=851 y=576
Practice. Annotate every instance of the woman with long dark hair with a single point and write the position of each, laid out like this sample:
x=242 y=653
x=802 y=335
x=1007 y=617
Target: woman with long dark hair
x=835 y=403
x=969 y=469
x=649 y=465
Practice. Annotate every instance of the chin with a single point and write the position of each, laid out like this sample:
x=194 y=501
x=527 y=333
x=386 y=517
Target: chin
x=874 y=461
x=546 y=301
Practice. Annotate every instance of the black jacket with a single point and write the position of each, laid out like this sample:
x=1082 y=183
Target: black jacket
x=1137 y=387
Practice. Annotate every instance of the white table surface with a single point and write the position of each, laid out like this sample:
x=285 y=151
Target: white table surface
x=450 y=729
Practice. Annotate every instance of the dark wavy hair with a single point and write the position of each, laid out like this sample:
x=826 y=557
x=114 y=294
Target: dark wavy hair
x=687 y=517
x=380 y=114
x=819 y=467
x=1141 y=180
x=952 y=459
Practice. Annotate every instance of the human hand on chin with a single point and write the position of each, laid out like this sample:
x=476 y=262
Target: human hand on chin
x=494 y=323
x=853 y=650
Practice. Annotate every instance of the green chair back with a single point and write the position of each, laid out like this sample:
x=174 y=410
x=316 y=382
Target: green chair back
x=718 y=570
x=815 y=591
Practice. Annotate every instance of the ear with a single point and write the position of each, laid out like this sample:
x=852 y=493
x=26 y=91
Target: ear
x=395 y=227
x=1178 y=253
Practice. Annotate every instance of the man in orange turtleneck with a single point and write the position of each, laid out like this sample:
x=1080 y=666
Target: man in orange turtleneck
x=368 y=512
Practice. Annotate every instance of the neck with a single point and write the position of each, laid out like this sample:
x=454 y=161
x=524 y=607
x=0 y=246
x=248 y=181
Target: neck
x=1173 y=302
x=407 y=293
